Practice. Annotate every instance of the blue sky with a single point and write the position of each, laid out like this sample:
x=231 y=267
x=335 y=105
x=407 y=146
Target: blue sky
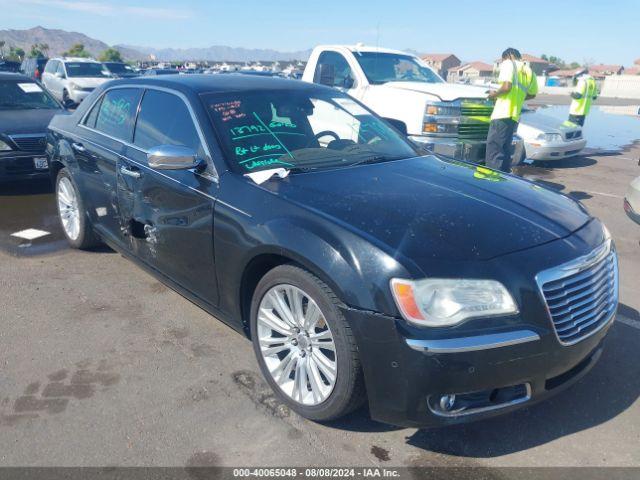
x=604 y=32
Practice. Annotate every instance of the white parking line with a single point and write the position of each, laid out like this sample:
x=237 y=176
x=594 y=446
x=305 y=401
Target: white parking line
x=629 y=321
x=30 y=234
x=606 y=195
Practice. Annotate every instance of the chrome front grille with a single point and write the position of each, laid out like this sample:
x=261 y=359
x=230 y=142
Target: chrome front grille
x=582 y=295
x=30 y=143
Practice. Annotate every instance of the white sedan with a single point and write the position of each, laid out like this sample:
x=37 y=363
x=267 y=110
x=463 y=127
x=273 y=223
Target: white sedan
x=547 y=138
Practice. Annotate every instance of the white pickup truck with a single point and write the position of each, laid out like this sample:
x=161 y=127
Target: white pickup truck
x=450 y=119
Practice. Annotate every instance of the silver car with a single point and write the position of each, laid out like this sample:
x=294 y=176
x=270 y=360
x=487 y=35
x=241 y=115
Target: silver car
x=547 y=138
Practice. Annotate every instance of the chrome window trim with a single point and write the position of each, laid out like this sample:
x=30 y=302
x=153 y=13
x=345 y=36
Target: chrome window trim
x=474 y=343
x=27 y=135
x=212 y=175
x=572 y=267
x=146 y=167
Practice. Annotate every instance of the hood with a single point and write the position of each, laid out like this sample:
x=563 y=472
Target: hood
x=13 y=122
x=546 y=123
x=89 y=82
x=445 y=91
x=426 y=208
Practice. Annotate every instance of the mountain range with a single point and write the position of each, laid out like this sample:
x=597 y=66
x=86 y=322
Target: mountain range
x=60 y=41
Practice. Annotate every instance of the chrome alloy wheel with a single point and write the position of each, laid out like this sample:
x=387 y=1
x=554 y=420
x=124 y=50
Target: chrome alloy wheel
x=68 y=208
x=297 y=344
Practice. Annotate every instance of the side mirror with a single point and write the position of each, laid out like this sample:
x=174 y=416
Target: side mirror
x=397 y=124
x=327 y=74
x=172 y=157
x=348 y=82
x=59 y=75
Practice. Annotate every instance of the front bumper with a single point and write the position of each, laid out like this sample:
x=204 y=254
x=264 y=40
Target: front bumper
x=21 y=166
x=554 y=151
x=513 y=361
x=79 y=95
x=472 y=150
x=631 y=213
x=405 y=377
x=469 y=150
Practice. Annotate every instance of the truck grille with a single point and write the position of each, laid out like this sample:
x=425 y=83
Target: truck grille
x=472 y=131
x=582 y=295
x=475 y=110
x=30 y=143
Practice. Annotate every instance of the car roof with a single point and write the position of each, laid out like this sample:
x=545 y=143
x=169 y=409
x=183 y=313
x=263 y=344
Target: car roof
x=76 y=59
x=363 y=49
x=15 y=76
x=231 y=82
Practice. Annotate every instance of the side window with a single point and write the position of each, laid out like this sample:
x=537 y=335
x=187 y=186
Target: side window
x=60 y=68
x=51 y=66
x=333 y=70
x=118 y=113
x=165 y=120
x=90 y=121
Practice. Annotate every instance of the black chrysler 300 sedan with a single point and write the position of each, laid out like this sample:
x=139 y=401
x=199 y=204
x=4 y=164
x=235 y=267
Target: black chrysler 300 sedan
x=439 y=291
x=25 y=111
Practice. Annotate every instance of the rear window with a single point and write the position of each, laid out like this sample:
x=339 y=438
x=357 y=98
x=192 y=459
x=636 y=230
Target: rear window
x=118 y=112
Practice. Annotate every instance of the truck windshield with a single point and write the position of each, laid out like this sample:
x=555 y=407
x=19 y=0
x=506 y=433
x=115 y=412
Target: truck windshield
x=391 y=67
x=300 y=130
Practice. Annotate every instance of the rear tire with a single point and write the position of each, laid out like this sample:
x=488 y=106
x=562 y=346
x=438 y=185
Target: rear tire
x=316 y=370
x=73 y=218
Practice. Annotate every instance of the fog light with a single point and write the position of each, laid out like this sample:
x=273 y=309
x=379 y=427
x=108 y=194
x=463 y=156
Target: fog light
x=447 y=402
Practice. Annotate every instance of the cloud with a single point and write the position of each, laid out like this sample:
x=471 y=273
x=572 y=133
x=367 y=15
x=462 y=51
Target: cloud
x=109 y=10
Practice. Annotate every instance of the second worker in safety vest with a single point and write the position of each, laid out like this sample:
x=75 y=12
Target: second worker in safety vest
x=517 y=84
x=584 y=93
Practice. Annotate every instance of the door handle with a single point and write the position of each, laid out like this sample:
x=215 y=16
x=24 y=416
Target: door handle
x=130 y=172
x=78 y=147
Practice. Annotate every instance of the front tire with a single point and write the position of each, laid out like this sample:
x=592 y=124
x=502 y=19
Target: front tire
x=304 y=345
x=73 y=218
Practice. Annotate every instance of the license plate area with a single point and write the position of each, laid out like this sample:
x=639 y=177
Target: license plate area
x=40 y=163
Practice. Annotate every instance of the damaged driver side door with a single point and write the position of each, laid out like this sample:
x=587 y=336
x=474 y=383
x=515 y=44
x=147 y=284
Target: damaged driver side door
x=168 y=213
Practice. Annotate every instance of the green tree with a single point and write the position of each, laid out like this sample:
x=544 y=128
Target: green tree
x=111 y=55
x=38 y=50
x=2 y=44
x=16 y=53
x=575 y=65
x=77 y=51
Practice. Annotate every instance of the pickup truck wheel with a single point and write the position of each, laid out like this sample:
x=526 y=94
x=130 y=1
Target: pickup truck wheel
x=304 y=346
x=73 y=219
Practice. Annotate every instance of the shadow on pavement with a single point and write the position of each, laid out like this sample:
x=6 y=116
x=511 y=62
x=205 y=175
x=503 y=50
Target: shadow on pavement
x=604 y=393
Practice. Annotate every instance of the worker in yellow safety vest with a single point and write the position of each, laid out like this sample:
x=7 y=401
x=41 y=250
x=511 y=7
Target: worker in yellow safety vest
x=584 y=93
x=517 y=84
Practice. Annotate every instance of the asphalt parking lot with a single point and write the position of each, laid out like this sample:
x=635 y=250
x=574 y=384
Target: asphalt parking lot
x=102 y=365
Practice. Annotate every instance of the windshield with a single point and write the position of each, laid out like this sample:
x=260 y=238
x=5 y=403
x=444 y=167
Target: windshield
x=301 y=130
x=23 y=95
x=391 y=67
x=85 y=69
x=119 y=68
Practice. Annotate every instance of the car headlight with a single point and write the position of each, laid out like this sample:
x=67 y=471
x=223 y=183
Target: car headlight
x=442 y=109
x=74 y=86
x=4 y=147
x=549 y=137
x=437 y=302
